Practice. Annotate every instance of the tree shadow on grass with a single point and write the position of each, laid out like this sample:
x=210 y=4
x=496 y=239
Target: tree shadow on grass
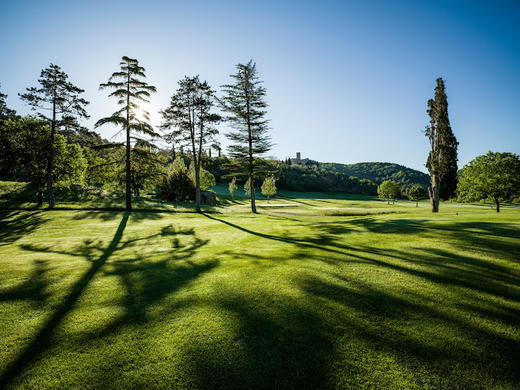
x=145 y=282
x=341 y=332
x=320 y=242
x=17 y=224
x=416 y=332
x=32 y=288
x=111 y=214
x=468 y=331
x=43 y=339
x=279 y=345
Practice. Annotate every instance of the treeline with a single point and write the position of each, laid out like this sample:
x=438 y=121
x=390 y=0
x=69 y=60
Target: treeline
x=378 y=172
x=34 y=147
x=295 y=177
x=311 y=178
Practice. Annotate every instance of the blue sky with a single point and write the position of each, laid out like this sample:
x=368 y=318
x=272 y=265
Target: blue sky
x=347 y=81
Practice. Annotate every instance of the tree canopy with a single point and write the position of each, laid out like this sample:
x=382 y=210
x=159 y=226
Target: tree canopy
x=269 y=187
x=493 y=176
x=388 y=190
x=416 y=193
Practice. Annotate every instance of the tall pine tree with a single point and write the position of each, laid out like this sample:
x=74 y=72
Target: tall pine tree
x=191 y=121
x=61 y=98
x=5 y=112
x=244 y=103
x=442 y=159
x=130 y=91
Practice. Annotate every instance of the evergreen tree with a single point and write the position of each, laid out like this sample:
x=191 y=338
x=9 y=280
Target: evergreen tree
x=449 y=168
x=244 y=103
x=61 y=98
x=442 y=159
x=131 y=91
x=5 y=112
x=190 y=115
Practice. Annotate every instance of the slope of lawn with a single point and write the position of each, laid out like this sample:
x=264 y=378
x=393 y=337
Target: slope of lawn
x=375 y=296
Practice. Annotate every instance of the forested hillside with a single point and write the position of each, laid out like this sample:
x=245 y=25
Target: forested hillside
x=380 y=171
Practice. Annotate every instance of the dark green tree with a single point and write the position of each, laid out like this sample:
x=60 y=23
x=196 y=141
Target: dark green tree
x=442 y=158
x=146 y=169
x=130 y=91
x=27 y=138
x=244 y=103
x=493 y=176
x=176 y=185
x=192 y=122
x=5 y=112
x=449 y=158
x=57 y=102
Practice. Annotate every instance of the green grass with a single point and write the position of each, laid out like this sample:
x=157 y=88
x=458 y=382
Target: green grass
x=375 y=296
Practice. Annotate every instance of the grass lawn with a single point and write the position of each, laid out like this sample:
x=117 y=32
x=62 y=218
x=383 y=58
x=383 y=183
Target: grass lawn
x=317 y=291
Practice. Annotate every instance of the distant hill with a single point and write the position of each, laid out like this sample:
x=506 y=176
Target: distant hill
x=379 y=172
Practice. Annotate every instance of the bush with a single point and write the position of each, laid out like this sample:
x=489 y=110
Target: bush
x=176 y=187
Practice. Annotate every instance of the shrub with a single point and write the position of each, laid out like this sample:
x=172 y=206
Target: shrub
x=176 y=187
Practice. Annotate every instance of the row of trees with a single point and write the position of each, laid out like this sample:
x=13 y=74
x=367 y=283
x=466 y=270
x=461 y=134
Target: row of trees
x=268 y=187
x=493 y=176
x=189 y=121
x=389 y=190
x=54 y=149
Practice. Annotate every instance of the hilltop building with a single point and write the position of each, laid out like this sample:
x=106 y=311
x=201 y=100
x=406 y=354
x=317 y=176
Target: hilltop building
x=303 y=161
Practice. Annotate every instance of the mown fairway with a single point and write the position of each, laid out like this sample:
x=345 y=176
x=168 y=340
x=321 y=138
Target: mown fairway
x=312 y=293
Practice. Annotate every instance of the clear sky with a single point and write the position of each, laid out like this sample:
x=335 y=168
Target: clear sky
x=347 y=81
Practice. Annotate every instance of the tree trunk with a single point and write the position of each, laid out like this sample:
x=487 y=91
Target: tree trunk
x=50 y=159
x=128 y=189
x=252 y=189
x=498 y=205
x=417 y=204
x=173 y=152
x=40 y=196
x=197 y=190
x=433 y=191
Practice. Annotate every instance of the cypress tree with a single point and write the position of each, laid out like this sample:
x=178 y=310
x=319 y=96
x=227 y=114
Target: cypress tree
x=244 y=103
x=442 y=159
x=130 y=92
x=449 y=168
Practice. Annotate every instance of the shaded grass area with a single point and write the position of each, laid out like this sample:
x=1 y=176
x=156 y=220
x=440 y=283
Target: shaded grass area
x=111 y=299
